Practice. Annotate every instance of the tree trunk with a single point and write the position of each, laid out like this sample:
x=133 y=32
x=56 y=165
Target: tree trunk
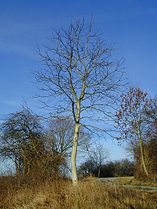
x=74 y=153
x=142 y=158
x=99 y=169
x=17 y=168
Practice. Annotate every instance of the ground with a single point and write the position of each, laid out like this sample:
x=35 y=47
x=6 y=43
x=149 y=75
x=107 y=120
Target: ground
x=61 y=194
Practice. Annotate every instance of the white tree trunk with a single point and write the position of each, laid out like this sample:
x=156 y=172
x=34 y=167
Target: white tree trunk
x=74 y=153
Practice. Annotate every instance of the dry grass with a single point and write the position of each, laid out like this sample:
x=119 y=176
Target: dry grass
x=62 y=195
x=133 y=181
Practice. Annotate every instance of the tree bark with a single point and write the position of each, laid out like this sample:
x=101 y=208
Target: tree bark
x=99 y=169
x=74 y=153
x=142 y=158
x=17 y=167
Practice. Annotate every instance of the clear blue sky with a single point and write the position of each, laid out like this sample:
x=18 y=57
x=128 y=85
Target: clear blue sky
x=130 y=24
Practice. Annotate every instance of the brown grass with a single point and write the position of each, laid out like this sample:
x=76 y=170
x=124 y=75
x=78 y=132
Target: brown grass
x=62 y=195
x=132 y=181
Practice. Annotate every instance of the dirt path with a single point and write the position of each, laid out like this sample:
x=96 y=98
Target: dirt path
x=112 y=180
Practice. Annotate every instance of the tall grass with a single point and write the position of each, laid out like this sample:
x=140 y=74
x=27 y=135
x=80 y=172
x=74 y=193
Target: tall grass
x=62 y=195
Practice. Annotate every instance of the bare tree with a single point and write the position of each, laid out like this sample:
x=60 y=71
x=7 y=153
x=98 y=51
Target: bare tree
x=59 y=137
x=97 y=156
x=132 y=120
x=81 y=78
x=22 y=140
x=60 y=134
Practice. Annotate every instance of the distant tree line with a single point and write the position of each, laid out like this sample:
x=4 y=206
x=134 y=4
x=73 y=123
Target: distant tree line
x=109 y=169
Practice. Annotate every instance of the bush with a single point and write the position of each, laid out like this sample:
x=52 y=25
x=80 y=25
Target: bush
x=150 y=155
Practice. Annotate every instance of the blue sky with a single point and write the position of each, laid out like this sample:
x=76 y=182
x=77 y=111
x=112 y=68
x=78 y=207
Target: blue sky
x=131 y=25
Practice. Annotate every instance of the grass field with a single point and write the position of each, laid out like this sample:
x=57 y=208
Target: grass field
x=62 y=195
